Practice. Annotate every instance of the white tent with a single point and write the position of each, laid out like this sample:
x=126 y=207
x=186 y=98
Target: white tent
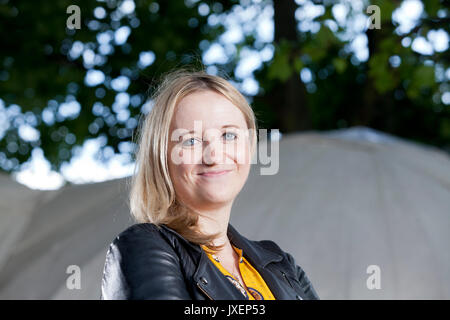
x=342 y=201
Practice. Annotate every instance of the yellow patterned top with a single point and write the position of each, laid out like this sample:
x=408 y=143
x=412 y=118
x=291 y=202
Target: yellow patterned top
x=256 y=288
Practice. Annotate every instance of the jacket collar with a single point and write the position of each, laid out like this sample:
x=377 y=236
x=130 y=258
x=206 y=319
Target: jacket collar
x=258 y=256
x=254 y=252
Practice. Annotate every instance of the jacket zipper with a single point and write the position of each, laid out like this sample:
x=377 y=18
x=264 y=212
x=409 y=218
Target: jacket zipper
x=204 y=291
x=285 y=277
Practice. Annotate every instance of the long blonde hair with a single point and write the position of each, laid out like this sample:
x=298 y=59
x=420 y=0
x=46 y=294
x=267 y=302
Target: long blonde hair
x=152 y=197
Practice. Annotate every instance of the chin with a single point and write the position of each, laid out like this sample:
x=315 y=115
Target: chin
x=218 y=197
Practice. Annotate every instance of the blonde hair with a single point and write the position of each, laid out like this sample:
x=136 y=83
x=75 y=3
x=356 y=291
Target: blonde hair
x=152 y=196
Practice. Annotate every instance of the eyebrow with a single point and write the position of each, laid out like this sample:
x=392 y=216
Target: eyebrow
x=225 y=126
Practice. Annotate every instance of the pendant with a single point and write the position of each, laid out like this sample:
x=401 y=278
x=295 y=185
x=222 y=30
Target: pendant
x=235 y=280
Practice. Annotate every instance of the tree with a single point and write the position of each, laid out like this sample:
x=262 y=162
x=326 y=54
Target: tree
x=73 y=85
x=45 y=68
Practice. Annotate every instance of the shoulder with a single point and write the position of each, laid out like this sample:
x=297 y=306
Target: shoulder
x=139 y=235
x=270 y=245
x=293 y=271
x=138 y=232
x=136 y=260
x=138 y=229
x=287 y=258
x=138 y=244
x=273 y=247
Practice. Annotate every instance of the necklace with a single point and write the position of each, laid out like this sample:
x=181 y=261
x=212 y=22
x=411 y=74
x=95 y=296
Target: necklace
x=233 y=273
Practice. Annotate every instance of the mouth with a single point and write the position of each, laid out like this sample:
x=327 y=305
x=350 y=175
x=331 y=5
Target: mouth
x=212 y=174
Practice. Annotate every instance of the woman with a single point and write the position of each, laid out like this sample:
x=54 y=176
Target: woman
x=194 y=154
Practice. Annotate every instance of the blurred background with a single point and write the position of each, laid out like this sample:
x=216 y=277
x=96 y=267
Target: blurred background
x=358 y=89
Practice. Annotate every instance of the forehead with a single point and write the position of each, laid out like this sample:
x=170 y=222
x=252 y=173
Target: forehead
x=209 y=107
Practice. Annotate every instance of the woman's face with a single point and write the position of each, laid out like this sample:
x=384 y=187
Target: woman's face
x=209 y=150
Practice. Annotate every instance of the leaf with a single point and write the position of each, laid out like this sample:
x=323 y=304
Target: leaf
x=423 y=77
x=280 y=67
x=298 y=65
x=386 y=9
x=381 y=74
x=431 y=7
x=445 y=128
x=340 y=64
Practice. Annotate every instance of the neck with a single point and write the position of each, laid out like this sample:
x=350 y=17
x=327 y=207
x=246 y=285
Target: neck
x=216 y=221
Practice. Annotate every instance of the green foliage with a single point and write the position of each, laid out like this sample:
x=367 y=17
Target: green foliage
x=445 y=128
x=380 y=72
x=340 y=64
x=37 y=73
x=386 y=9
x=317 y=48
x=281 y=68
x=422 y=78
x=432 y=7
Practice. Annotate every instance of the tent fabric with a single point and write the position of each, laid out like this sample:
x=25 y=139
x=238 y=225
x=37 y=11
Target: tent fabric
x=341 y=202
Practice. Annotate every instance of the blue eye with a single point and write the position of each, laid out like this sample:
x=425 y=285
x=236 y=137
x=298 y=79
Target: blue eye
x=189 y=142
x=233 y=136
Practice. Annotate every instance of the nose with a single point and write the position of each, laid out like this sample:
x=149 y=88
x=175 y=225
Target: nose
x=212 y=153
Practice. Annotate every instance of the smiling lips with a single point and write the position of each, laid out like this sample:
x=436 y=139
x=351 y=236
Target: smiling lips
x=212 y=174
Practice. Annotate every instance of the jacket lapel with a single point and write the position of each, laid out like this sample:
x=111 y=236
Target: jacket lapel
x=260 y=257
x=256 y=255
x=217 y=287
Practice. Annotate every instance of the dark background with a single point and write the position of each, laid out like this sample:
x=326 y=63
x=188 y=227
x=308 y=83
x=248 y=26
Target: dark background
x=304 y=65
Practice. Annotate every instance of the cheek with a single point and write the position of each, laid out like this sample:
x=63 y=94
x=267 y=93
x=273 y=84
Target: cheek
x=240 y=155
x=243 y=171
x=180 y=156
x=180 y=167
x=183 y=182
x=240 y=152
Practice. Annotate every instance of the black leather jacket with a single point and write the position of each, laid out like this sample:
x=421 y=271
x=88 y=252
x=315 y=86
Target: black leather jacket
x=149 y=262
